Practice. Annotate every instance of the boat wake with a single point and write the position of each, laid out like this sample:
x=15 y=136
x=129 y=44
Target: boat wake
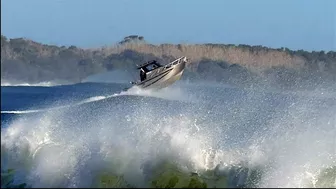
x=88 y=100
x=167 y=93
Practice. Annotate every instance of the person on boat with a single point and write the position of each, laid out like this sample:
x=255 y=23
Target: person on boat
x=142 y=75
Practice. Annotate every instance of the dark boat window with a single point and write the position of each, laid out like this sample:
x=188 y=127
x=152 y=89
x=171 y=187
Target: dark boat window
x=151 y=67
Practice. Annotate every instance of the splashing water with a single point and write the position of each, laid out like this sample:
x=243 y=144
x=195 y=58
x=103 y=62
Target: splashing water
x=243 y=136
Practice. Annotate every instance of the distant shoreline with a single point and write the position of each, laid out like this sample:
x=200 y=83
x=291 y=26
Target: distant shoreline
x=97 y=46
x=27 y=61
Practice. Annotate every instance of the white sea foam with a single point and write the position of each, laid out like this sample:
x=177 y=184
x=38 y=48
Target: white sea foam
x=68 y=148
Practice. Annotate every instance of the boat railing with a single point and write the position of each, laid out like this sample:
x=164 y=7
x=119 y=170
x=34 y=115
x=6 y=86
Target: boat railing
x=177 y=61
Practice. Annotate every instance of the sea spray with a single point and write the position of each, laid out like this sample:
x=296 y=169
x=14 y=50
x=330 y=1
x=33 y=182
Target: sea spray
x=233 y=139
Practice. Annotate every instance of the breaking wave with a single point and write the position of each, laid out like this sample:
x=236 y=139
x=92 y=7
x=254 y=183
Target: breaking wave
x=194 y=136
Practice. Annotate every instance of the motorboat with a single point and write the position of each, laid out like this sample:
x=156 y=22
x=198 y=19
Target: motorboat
x=153 y=75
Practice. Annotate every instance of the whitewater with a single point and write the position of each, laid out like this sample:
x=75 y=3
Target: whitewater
x=83 y=135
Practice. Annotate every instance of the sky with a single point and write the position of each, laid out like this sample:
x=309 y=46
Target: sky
x=295 y=24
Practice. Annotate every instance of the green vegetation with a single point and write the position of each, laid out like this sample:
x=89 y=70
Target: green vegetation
x=28 y=61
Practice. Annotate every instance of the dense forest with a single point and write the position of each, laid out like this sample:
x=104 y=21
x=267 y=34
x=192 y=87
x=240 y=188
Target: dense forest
x=23 y=60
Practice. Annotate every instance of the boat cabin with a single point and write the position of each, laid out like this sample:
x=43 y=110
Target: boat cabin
x=147 y=67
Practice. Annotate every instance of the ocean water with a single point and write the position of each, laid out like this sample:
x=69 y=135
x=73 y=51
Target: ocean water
x=98 y=134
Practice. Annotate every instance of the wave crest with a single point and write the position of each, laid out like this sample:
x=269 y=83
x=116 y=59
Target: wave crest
x=132 y=141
